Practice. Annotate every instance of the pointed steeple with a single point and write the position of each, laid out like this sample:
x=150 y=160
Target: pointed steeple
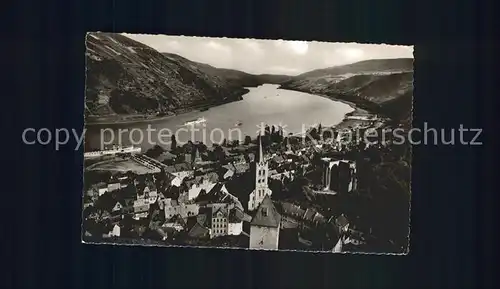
x=261 y=154
x=197 y=155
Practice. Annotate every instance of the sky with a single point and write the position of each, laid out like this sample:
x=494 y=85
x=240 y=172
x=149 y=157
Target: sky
x=270 y=56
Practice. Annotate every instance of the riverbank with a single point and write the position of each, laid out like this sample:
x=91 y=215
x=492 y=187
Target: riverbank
x=137 y=119
x=356 y=118
x=110 y=120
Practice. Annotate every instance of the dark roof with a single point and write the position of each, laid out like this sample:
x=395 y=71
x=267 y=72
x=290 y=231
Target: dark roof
x=216 y=189
x=202 y=219
x=122 y=202
x=291 y=209
x=179 y=168
x=216 y=208
x=309 y=214
x=341 y=221
x=213 y=196
x=319 y=218
x=178 y=219
x=211 y=177
x=233 y=218
x=166 y=156
x=266 y=215
x=238 y=168
x=198 y=231
x=237 y=215
x=240 y=214
x=241 y=186
x=278 y=159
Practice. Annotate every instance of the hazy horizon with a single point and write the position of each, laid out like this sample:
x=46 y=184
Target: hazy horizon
x=270 y=56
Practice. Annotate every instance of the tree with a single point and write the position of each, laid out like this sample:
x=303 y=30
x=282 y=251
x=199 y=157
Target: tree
x=284 y=143
x=155 y=151
x=187 y=148
x=327 y=134
x=267 y=130
x=248 y=140
x=202 y=148
x=313 y=133
x=219 y=154
x=173 y=143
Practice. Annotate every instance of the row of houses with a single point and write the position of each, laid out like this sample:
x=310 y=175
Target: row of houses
x=217 y=220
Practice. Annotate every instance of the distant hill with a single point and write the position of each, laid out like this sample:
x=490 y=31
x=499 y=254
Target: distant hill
x=235 y=78
x=125 y=77
x=381 y=85
x=367 y=66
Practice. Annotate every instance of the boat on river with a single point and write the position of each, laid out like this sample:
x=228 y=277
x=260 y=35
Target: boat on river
x=195 y=121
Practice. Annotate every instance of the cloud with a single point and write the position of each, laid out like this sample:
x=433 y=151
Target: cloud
x=254 y=47
x=217 y=46
x=350 y=53
x=282 y=70
x=298 y=47
x=174 y=44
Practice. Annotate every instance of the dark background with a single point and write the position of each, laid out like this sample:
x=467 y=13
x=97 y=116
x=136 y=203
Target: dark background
x=453 y=235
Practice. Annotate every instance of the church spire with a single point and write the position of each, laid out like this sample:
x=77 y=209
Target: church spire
x=261 y=154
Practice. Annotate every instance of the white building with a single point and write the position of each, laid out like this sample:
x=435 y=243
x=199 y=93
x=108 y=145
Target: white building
x=102 y=191
x=235 y=226
x=115 y=232
x=115 y=150
x=338 y=246
x=173 y=208
x=176 y=181
x=141 y=208
x=265 y=226
x=220 y=223
x=118 y=206
x=113 y=187
x=150 y=194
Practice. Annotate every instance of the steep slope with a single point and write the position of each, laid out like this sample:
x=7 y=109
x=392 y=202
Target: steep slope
x=125 y=77
x=233 y=77
x=382 y=85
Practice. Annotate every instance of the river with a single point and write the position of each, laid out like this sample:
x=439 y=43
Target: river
x=267 y=104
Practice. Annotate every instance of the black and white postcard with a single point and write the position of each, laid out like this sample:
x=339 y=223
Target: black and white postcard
x=247 y=143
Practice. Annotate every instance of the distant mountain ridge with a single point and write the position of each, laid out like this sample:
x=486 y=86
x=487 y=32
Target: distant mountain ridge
x=381 y=85
x=366 y=66
x=125 y=77
x=235 y=78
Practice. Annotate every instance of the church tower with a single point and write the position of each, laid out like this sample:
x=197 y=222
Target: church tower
x=261 y=185
x=288 y=146
x=197 y=156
